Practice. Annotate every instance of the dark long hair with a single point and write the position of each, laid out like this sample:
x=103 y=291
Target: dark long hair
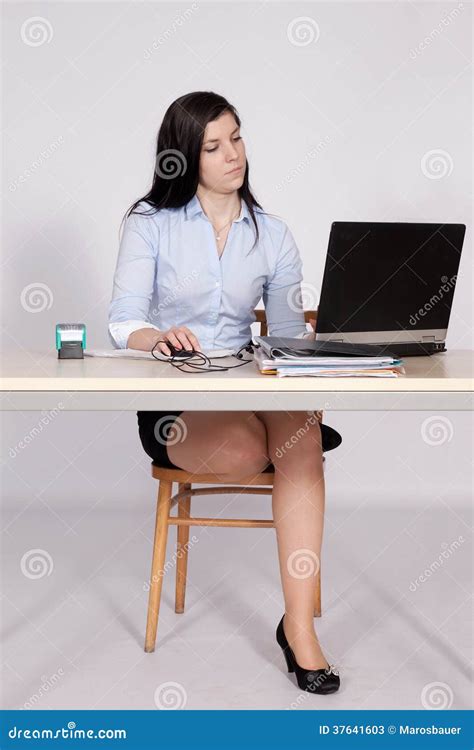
x=178 y=149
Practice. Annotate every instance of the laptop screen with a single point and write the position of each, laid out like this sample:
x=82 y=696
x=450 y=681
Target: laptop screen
x=389 y=276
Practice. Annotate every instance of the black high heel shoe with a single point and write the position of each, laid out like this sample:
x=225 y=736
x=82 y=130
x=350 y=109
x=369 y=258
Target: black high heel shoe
x=321 y=681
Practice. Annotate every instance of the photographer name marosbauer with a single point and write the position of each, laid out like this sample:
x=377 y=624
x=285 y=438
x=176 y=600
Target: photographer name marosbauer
x=381 y=729
x=405 y=729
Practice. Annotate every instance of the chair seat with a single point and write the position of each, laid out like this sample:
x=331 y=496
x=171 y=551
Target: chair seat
x=269 y=470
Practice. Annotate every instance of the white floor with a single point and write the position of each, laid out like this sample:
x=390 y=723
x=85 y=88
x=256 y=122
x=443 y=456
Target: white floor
x=73 y=630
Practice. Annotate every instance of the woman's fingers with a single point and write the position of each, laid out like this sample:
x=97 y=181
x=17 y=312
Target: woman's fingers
x=192 y=338
x=163 y=348
x=181 y=338
x=172 y=337
x=185 y=337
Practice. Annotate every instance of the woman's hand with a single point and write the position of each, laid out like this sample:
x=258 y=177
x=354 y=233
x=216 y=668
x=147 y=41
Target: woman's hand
x=181 y=337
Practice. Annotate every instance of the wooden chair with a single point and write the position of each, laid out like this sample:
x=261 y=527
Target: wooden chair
x=183 y=519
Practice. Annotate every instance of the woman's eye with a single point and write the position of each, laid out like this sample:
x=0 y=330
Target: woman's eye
x=210 y=150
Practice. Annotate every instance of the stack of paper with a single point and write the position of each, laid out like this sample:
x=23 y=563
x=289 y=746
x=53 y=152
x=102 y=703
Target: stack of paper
x=328 y=366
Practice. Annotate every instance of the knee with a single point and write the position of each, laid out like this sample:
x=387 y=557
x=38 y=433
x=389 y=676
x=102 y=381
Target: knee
x=245 y=449
x=301 y=445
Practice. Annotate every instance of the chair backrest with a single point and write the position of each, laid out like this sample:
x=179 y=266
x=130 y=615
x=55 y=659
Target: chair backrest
x=262 y=318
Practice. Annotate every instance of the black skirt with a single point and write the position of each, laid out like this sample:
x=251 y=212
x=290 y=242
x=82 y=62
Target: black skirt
x=156 y=427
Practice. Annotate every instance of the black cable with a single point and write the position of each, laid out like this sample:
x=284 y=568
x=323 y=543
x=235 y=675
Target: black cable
x=202 y=367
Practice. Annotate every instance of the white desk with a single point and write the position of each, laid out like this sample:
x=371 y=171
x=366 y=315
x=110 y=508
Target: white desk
x=40 y=381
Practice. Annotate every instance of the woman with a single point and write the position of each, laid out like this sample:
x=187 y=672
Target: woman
x=196 y=256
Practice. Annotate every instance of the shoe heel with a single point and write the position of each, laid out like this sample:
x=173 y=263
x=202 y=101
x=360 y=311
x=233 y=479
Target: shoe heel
x=288 y=659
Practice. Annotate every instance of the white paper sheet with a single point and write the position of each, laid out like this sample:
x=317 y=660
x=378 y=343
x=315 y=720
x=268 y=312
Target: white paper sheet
x=138 y=354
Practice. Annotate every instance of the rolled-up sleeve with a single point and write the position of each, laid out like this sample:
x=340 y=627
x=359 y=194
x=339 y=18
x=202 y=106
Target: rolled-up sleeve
x=282 y=293
x=119 y=332
x=134 y=280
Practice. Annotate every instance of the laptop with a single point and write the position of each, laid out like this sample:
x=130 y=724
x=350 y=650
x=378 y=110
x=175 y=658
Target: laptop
x=390 y=284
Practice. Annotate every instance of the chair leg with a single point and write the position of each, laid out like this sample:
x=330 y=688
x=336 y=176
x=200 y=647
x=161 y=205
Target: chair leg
x=317 y=595
x=182 y=538
x=157 y=566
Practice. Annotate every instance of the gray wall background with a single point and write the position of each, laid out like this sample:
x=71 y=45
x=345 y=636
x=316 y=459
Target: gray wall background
x=350 y=110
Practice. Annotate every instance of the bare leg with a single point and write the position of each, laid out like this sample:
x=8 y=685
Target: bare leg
x=231 y=444
x=294 y=447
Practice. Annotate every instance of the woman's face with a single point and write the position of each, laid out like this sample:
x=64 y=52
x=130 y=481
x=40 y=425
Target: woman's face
x=222 y=151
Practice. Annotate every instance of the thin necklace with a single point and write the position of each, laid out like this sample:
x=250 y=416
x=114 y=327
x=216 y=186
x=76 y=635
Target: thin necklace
x=218 y=231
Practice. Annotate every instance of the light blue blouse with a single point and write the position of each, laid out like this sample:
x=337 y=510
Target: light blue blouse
x=169 y=273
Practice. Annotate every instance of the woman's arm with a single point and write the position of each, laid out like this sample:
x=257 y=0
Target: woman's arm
x=121 y=331
x=144 y=339
x=282 y=293
x=133 y=284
